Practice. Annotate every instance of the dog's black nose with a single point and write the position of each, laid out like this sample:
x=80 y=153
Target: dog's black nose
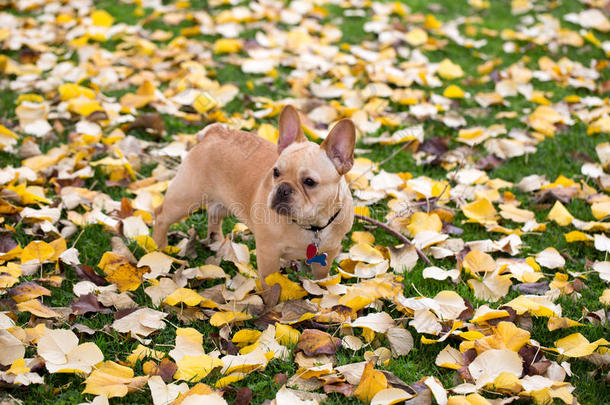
x=283 y=191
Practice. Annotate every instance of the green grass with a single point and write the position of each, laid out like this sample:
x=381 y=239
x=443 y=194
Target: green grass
x=553 y=157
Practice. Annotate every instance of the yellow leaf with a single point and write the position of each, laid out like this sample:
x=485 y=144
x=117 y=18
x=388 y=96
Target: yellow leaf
x=421 y=221
x=453 y=91
x=601 y=209
x=223 y=318
x=508 y=382
x=363 y=237
x=204 y=103
x=147 y=243
x=144 y=95
x=576 y=345
x=36 y=308
x=142 y=352
x=555 y=323
x=28 y=291
x=371 y=382
x=268 y=132
x=37 y=250
x=119 y=271
x=245 y=336
x=476 y=262
x=481 y=211
x=84 y=106
x=605 y=297
x=69 y=91
x=449 y=70
x=505 y=336
x=185 y=296
x=195 y=368
x=578 y=236
x=416 y=37
x=362 y=210
x=230 y=379
x=18 y=367
x=113 y=380
x=286 y=334
x=560 y=214
x=227 y=45
x=101 y=18
x=290 y=289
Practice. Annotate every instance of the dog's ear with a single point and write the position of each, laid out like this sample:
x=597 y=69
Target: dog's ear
x=290 y=128
x=339 y=145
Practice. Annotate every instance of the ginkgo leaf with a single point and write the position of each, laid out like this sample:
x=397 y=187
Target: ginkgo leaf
x=576 y=345
x=36 y=308
x=223 y=318
x=487 y=366
x=121 y=272
x=477 y=262
x=184 y=295
x=371 y=382
x=195 y=368
x=560 y=214
x=63 y=354
x=37 y=251
x=286 y=334
x=290 y=289
x=113 y=380
x=11 y=348
x=481 y=211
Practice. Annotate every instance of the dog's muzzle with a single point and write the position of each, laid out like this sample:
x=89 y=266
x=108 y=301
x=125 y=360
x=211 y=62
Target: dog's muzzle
x=281 y=199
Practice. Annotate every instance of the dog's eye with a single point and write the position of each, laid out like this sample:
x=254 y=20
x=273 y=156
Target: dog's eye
x=309 y=182
x=276 y=172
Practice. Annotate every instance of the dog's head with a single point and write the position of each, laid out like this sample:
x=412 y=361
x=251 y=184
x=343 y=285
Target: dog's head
x=307 y=177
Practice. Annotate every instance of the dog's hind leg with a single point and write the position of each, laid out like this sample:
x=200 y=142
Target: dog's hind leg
x=216 y=213
x=181 y=199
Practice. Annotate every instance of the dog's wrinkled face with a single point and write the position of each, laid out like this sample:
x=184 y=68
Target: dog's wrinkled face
x=308 y=178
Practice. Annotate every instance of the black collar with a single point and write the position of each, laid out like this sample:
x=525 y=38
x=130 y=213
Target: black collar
x=314 y=228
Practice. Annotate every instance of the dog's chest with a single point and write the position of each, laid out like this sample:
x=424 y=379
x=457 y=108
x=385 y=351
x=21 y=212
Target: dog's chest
x=295 y=247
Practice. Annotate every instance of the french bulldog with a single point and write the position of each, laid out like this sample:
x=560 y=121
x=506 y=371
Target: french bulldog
x=293 y=196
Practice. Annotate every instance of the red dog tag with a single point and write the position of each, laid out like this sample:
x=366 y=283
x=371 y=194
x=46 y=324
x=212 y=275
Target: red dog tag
x=312 y=250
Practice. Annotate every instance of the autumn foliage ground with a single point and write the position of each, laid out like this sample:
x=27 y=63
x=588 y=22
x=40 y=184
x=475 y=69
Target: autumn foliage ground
x=505 y=187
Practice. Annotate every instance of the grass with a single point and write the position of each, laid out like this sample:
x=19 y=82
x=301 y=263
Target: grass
x=553 y=157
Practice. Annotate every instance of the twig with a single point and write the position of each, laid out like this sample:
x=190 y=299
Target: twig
x=396 y=152
x=397 y=234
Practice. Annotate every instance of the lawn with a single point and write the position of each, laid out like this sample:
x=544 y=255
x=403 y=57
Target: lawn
x=98 y=102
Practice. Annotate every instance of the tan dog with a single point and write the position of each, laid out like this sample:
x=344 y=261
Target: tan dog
x=292 y=196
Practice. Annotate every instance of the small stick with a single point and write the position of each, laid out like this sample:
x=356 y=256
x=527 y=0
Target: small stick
x=397 y=234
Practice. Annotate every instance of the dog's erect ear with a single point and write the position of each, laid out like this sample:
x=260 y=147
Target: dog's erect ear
x=290 y=128
x=339 y=145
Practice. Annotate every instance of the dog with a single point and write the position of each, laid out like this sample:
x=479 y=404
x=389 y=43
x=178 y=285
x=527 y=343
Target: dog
x=293 y=196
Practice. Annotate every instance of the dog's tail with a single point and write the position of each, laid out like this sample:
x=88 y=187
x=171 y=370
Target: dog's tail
x=216 y=127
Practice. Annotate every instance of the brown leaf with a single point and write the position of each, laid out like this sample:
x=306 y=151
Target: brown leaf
x=243 y=396
x=6 y=242
x=532 y=288
x=84 y=272
x=314 y=342
x=280 y=379
x=424 y=394
x=28 y=291
x=152 y=121
x=88 y=303
x=166 y=370
x=342 y=388
x=489 y=162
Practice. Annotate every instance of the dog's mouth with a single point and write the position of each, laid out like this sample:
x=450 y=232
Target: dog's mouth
x=282 y=208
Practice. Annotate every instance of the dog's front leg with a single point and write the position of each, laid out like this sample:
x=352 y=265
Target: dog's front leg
x=320 y=271
x=268 y=262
